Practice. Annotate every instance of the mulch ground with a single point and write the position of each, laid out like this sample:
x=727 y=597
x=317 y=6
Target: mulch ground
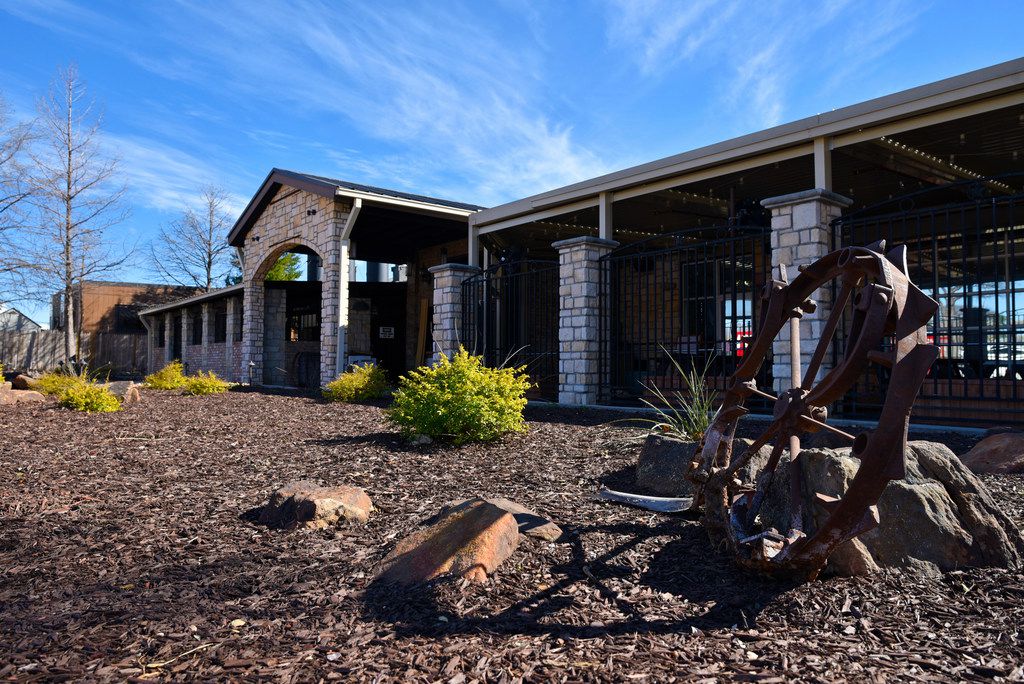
x=128 y=550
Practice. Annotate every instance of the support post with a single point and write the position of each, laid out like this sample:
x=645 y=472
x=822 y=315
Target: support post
x=823 y=163
x=606 y=224
x=802 y=234
x=579 y=291
x=229 y=343
x=473 y=245
x=168 y=337
x=206 y=337
x=447 y=323
x=186 y=337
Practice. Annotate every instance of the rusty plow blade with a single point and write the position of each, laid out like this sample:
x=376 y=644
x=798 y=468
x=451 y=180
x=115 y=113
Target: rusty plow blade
x=888 y=316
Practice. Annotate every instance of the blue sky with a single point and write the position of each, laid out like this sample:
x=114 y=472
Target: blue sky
x=479 y=101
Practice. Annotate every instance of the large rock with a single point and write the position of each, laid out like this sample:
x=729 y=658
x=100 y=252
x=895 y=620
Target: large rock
x=10 y=396
x=470 y=541
x=22 y=382
x=939 y=517
x=531 y=523
x=664 y=460
x=125 y=390
x=305 y=504
x=999 y=454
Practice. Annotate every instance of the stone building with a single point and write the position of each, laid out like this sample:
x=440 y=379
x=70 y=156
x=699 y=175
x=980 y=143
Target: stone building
x=364 y=293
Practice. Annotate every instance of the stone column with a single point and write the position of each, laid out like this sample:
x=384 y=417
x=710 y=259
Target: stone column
x=207 y=334
x=802 y=234
x=252 y=332
x=579 y=291
x=334 y=311
x=229 y=343
x=186 y=338
x=168 y=337
x=447 y=319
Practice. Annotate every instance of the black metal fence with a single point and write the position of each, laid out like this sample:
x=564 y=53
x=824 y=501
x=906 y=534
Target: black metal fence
x=966 y=250
x=510 y=317
x=691 y=296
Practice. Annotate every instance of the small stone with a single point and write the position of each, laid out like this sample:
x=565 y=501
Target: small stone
x=125 y=390
x=304 y=504
x=238 y=622
x=22 y=382
x=420 y=440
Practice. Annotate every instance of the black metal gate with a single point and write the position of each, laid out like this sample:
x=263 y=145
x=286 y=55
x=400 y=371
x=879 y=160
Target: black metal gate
x=510 y=317
x=694 y=295
x=966 y=250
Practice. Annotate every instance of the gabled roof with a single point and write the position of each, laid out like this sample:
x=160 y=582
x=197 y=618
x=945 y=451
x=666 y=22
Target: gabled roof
x=196 y=299
x=332 y=187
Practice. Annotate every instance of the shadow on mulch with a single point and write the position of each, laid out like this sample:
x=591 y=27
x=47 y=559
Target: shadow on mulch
x=686 y=567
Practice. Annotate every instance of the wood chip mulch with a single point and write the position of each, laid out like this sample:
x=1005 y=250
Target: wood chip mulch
x=129 y=551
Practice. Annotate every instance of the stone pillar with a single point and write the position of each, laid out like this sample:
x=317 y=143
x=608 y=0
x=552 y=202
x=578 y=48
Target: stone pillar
x=579 y=291
x=334 y=310
x=168 y=337
x=186 y=338
x=207 y=334
x=252 y=332
x=447 y=320
x=151 y=331
x=802 y=234
x=229 y=343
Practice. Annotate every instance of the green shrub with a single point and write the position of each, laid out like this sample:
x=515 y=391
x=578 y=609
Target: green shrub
x=461 y=400
x=56 y=384
x=171 y=376
x=368 y=381
x=205 y=383
x=86 y=396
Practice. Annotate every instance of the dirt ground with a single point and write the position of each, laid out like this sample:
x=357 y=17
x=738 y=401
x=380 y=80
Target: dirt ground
x=128 y=550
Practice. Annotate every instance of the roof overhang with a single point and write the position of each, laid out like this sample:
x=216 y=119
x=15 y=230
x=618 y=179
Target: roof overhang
x=975 y=92
x=197 y=299
x=324 y=188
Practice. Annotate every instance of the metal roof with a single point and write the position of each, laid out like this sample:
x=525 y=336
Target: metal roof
x=332 y=187
x=845 y=125
x=188 y=301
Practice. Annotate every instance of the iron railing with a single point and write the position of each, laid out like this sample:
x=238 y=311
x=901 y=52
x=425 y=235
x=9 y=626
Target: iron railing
x=693 y=295
x=966 y=250
x=510 y=317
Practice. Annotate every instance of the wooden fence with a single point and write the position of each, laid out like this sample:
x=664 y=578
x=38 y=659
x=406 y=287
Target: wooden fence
x=44 y=349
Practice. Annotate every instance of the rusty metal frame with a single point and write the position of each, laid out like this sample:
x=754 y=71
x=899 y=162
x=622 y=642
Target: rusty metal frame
x=886 y=304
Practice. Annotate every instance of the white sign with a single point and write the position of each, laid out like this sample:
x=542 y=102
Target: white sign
x=387 y=333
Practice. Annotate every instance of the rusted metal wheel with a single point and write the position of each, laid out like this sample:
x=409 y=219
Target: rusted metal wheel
x=885 y=305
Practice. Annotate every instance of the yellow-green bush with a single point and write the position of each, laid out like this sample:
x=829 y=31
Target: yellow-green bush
x=368 y=381
x=87 y=396
x=57 y=384
x=461 y=400
x=171 y=376
x=205 y=383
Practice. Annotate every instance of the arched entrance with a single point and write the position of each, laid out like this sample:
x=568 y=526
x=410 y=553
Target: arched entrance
x=292 y=315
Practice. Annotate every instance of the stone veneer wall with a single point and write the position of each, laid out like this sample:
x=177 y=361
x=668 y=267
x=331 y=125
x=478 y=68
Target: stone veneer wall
x=296 y=218
x=447 y=324
x=579 y=288
x=801 y=234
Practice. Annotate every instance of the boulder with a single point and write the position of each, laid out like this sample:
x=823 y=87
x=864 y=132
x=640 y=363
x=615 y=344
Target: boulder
x=11 y=396
x=999 y=454
x=125 y=390
x=664 y=460
x=22 y=382
x=470 y=541
x=939 y=517
x=531 y=523
x=305 y=504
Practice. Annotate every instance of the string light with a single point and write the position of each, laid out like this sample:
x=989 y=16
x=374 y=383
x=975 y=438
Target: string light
x=951 y=164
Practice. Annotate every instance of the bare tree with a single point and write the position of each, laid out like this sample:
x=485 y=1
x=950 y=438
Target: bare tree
x=193 y=250
x=15 y=188
x=77 y=197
